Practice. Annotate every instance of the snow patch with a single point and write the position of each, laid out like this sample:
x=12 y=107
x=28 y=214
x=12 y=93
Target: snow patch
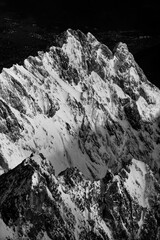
x=135 y=183
x=35 y=179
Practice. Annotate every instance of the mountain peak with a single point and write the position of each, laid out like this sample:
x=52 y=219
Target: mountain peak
x=86 y=122
x=78 y=85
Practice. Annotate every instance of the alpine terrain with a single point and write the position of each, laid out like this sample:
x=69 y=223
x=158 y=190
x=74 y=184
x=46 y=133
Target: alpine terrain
x=79 y=145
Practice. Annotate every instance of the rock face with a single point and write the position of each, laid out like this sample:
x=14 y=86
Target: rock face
x=35 y=204
x=86 y=121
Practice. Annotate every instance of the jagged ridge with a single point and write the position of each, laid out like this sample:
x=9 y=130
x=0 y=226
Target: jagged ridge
x=79 y=85
x=35 y=204
x=81 y=105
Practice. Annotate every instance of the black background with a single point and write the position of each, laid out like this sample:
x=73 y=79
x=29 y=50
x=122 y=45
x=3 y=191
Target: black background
x=103 y=14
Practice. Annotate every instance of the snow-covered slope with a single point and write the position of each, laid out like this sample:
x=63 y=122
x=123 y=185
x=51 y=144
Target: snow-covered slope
x=82 y=107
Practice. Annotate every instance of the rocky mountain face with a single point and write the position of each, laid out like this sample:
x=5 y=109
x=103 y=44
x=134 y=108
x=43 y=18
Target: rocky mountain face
x=79 y=145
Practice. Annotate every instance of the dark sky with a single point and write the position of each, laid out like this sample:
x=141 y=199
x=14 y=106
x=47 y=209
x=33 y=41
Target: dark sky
x=105 y=14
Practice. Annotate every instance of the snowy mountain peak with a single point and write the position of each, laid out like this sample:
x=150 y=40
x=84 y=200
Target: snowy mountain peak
x=78 y=97
x=86 y=121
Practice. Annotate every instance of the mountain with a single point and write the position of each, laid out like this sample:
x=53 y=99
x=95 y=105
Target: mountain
x=37 y=205
x=79 y=153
